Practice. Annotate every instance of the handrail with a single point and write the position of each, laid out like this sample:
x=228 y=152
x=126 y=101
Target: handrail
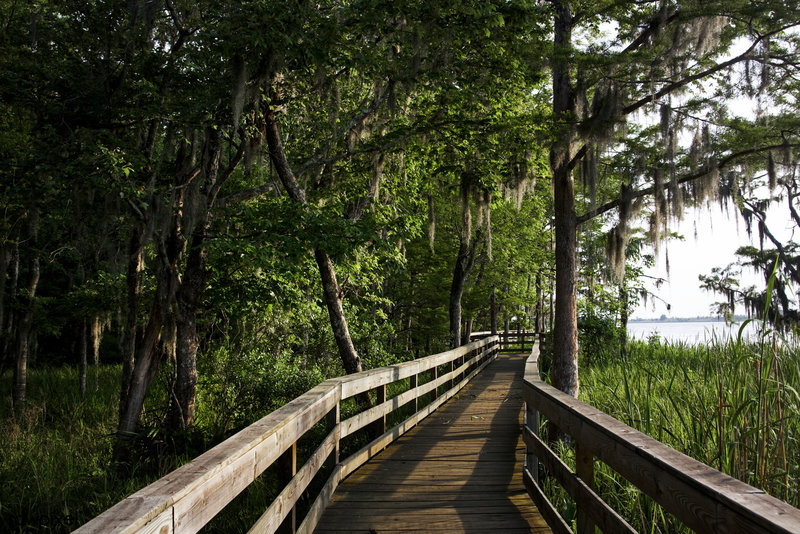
x=510 y=341
x=703 y=498
x=189 y=497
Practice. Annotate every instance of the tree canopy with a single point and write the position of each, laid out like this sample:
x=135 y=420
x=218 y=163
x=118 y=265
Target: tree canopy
x=186 y=185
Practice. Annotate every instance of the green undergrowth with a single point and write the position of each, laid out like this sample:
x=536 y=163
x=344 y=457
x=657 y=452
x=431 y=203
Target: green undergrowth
x=733 y=405
x=55 y=457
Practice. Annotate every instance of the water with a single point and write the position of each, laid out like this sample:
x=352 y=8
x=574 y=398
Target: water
x=691 y=332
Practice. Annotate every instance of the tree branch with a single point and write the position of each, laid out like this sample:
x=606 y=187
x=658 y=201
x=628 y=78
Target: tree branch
x=762 y=219
x=377 y=101
x=608 y=206
x=669 y=88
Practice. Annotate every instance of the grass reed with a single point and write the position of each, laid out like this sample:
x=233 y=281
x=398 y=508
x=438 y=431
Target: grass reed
x=732 y=404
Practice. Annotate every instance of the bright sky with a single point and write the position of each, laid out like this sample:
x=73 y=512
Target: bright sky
x=718 y=236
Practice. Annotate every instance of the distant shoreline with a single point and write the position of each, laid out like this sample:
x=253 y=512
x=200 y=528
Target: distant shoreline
x=706 y=319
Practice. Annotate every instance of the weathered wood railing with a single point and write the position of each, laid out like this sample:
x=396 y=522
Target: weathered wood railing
x=511 y=341
x=703 y=498
x=192 y=495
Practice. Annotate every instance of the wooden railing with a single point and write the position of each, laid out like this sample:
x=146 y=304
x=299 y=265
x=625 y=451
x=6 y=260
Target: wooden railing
x=703 y=498
x=192 y=495
x=511 y=341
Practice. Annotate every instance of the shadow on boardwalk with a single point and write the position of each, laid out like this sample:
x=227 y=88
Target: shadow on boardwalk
x=457 y=471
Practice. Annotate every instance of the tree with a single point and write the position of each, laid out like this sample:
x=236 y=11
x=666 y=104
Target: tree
x=659 y=50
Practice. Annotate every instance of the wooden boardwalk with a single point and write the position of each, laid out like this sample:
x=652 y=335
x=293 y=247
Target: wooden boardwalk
x=457 y=471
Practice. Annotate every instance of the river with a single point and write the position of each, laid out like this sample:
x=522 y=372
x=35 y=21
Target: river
x=692 y=332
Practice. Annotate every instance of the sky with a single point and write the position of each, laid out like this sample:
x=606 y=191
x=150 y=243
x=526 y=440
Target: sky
x=718 y=235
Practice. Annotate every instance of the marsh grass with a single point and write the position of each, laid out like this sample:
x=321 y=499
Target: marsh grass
x=731 y=404
x=54 y=468
x=55 y=457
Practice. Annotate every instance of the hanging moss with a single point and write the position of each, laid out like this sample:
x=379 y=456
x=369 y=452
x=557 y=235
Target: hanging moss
x=239 y=89
x=786 y=153
x=488 y=217
x=431 y=223
x=466 y=211
x=772 y=174
x=665 y=122
x=589 y=173
x=618 y=237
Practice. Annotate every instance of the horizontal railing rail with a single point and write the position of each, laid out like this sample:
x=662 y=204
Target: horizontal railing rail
x=189 y=497
x=511 y=341
x=703 y=498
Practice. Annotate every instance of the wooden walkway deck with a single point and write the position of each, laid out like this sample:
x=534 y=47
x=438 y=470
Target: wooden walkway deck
x=457 y=471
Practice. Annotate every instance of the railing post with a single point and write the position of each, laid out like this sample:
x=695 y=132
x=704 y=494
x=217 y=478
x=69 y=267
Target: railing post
x=434 y=376
x=584 y=468
x=332 y=419
x=532 y=422
x=380 y=424
x=412 y=385
x=287 y=468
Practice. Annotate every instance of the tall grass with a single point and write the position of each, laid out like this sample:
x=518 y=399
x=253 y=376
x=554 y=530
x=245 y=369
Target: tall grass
x=731 y=404
x=55 y=458
x=54 y=467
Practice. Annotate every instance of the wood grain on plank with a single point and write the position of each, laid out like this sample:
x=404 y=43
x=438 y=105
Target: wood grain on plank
x=459 y=470
x=197 y=491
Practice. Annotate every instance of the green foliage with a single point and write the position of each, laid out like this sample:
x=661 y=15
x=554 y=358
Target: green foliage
x=54 y=472
x=598 y=338
x=732 y=405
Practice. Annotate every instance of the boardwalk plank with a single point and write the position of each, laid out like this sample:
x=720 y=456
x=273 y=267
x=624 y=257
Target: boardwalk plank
x=458 y=471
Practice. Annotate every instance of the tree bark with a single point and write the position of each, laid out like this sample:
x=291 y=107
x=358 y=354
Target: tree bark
x=26 y=319
x=330 y=287
x=98 y=325
x=333 y=301
x=460 y=273
x=564 y=374
x=9 y=325
x=142 y=375
x=539 y=303
x=467 y=331
x=623 y=319
x=191 y=288
x=493 y=311
x=5 y=262
x=84 y=360
x=134 y=289
x=187 y=339
x=465 y=260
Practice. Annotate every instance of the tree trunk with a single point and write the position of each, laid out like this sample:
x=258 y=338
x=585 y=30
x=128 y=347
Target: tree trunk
x=83 y=359
x=330 y=286
x=192 y=286
x=98 y=325
x=5 y=261
x=539 y=303
x=623 y=319
x=26 y=320
x=564 y=374
x=550 y=310
x=333 y=301
x=187 y=340
x=493 y=311
x=134 y=289
x=144 y=370
x=10 y=324
x=6 y=264
x=467 y=331
x=460 y=273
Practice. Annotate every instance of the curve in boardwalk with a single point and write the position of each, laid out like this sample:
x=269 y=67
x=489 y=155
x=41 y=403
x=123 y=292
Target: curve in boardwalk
x=457 y=471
